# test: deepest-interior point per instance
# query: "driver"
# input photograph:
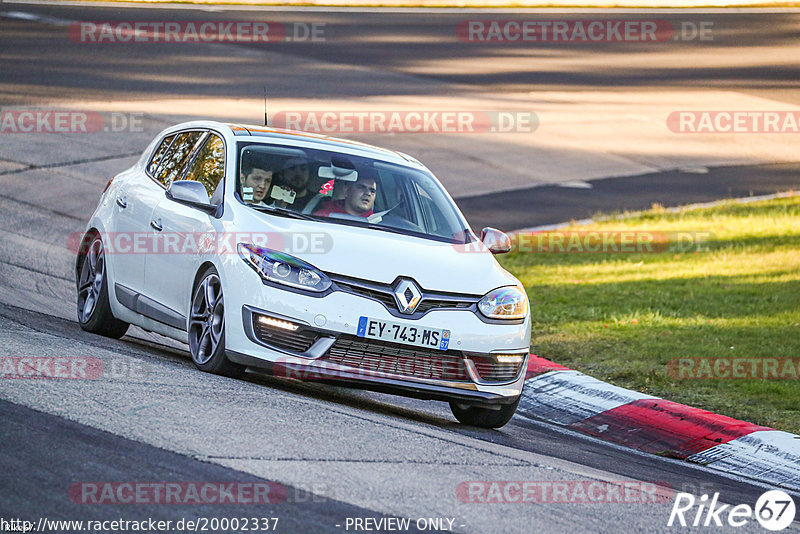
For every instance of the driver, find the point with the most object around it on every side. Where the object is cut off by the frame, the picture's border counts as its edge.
(359, 199)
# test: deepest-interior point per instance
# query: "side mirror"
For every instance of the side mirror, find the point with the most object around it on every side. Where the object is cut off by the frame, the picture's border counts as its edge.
(192, 194)
(496, 241)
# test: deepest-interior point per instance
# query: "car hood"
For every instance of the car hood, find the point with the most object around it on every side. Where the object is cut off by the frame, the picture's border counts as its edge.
(375, 255)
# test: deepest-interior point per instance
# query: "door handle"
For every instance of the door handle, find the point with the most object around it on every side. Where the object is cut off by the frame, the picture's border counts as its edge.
(121, 203)
(156, 225)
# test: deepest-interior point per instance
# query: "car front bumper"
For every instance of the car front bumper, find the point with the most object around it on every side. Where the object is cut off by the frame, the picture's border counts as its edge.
(325, 346)
(410, 387)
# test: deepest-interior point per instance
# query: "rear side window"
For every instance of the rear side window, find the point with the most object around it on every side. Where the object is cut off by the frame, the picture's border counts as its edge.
(209, 165)
(162, 149)
(177, 157)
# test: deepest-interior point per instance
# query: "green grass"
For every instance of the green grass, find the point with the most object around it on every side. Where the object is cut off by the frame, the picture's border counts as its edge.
(621, 317)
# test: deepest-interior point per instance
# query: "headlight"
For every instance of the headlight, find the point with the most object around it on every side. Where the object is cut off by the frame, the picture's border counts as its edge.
(283, 269)
(509, 302)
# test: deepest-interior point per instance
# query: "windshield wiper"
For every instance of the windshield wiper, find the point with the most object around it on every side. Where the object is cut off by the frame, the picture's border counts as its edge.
(364, 222)
(284, 212)
(390, 229)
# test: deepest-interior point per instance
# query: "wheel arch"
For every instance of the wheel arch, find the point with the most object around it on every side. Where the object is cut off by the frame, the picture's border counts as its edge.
(200, 270)
(198, 273)
(82, 247)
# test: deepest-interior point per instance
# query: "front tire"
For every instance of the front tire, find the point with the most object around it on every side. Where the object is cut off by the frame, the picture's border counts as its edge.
(207, 327)
(94, 310)
(484, 417)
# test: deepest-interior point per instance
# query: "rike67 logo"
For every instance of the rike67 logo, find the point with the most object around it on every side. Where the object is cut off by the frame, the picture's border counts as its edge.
(774, 510)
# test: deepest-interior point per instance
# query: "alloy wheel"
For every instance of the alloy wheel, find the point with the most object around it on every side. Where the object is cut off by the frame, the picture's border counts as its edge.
(91, 280)
(207, 319)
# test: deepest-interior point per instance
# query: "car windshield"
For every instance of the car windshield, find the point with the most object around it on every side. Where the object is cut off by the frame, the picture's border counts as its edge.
(346, 189)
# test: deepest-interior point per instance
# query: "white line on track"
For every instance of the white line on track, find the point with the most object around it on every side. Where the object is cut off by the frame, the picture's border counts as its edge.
(33, 17)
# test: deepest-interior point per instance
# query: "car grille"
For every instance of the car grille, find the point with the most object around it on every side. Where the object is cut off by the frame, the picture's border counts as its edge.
(397, 359)
(297, 341)
(490, 370)
(427, 305)
(383, 293)
(387, 299)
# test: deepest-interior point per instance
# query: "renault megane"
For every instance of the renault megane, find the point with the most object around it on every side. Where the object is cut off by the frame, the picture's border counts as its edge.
(312, 257)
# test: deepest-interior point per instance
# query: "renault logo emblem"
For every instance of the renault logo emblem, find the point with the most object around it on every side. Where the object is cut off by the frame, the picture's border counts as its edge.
(407, 295)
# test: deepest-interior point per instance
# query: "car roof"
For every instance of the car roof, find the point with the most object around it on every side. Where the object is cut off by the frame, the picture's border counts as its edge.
(267, 133)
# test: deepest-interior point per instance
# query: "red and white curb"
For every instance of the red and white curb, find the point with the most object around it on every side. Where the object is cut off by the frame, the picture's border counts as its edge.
(568, 398)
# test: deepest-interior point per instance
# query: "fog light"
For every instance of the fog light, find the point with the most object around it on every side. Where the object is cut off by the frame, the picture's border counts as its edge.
(510, 358)
(277, 323)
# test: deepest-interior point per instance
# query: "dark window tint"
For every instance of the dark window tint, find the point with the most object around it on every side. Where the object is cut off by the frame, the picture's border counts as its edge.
(209, 165)
(179, 155)
(162, 149)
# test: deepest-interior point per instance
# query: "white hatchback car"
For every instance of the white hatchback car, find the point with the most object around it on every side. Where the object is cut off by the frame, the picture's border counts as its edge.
(312, 257)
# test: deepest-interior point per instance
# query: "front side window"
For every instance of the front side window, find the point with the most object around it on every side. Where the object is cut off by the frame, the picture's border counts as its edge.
(174, 162)
(344, 189)
(208, 167)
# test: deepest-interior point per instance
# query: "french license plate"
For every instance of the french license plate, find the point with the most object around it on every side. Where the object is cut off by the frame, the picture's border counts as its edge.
(398, 333)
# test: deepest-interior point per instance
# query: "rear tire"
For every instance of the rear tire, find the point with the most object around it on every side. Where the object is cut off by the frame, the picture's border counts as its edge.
(484, 417)
(94, 310)
(207, 327)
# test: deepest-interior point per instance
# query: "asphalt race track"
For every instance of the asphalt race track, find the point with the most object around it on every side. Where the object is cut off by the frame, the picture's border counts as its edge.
(333, 454)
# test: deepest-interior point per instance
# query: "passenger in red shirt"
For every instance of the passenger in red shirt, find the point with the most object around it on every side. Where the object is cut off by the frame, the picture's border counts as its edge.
(359, 199)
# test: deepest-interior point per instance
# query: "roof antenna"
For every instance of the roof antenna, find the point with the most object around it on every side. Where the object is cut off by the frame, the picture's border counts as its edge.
(266, 117)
